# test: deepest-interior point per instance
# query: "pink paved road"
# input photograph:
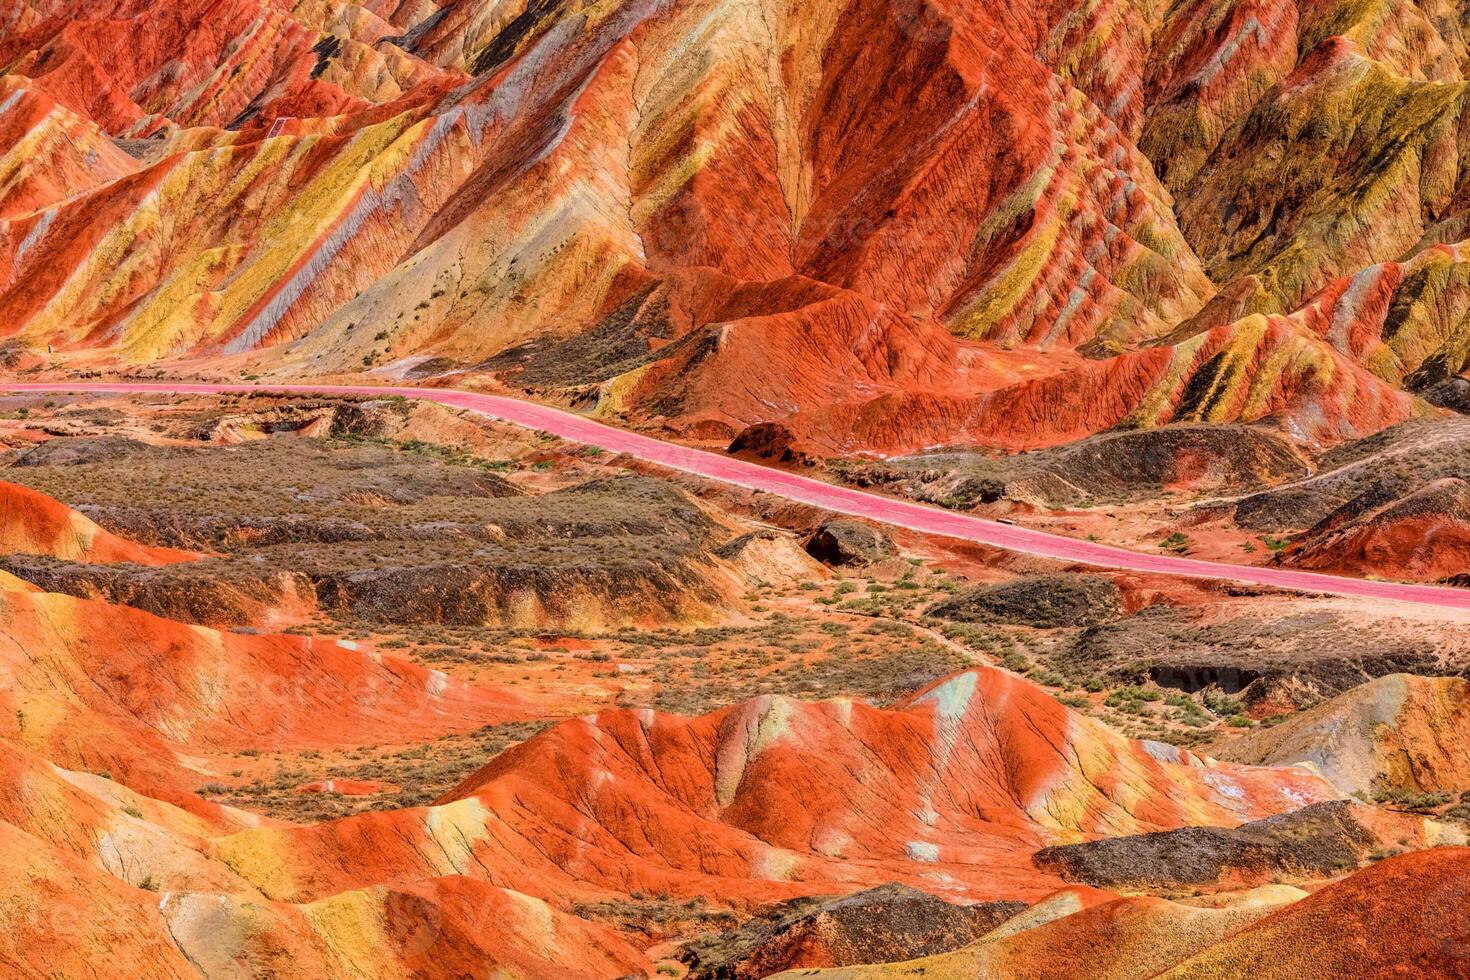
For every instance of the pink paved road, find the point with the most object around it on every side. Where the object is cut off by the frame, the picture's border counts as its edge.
(902, 513)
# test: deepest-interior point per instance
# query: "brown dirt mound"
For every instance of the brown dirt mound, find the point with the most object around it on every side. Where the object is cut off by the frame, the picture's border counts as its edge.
(845, 542)
(1042, 601)
(1324, 840)
(879, 925)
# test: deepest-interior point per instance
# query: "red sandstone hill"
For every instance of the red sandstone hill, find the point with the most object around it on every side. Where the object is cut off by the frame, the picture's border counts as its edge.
(950, 792)
(1396, 732)
(67, 917)
(100, 687)
(377, 895)
(111, 715)
(1012, 227)
(1403, 917)
(1422, 535)
(32, 523)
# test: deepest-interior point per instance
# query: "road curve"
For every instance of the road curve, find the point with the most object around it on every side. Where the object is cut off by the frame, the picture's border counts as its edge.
(793, 486)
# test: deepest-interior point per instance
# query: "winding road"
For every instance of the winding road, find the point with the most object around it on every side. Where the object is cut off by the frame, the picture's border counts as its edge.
(793, 486)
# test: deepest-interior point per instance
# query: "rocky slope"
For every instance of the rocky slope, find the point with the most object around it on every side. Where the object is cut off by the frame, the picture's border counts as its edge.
(1129, 465)
(951, 791)
(1389, 918)
(1325, 840)
(673, 212)
(324, 804)
(890, 922)
(1396, 732)
(1423, 535)
(359, 529)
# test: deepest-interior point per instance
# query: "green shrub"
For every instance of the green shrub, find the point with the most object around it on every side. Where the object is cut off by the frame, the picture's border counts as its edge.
(1408, 799)
(1177, 542)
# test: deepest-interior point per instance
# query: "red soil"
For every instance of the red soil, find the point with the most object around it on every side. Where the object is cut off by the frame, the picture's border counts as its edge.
(348, 787)
(950, 792)
(1405, 917)
(101, 687)
(1421, 537)
(34, 524)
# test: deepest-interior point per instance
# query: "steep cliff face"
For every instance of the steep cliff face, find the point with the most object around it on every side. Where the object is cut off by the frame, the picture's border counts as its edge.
(895, 224)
